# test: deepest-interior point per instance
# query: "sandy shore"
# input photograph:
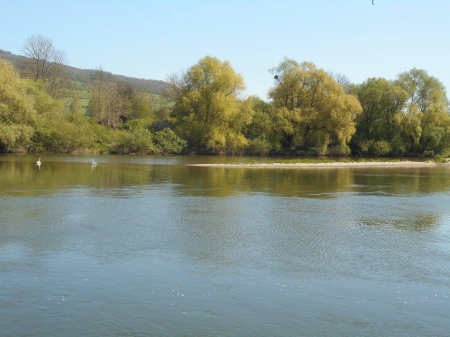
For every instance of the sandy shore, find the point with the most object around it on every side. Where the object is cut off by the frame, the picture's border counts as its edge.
(406, 164)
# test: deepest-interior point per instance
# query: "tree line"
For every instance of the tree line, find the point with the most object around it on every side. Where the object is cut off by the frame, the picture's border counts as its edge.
(204, 110)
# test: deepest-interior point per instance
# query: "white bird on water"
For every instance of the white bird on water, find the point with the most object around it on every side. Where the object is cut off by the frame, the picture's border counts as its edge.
(94, 163)
(38, 163)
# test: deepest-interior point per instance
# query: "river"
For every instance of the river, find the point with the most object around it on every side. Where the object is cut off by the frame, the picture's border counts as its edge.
(149, 246)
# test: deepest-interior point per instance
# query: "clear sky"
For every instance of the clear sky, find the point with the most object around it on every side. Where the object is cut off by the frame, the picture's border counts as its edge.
(155, 38)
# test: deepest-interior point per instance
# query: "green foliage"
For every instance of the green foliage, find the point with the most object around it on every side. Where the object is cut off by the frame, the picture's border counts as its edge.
(138, 123)
(365, 145)
(139, 141)
(313, 110)
(446, 152)
(53, 132)
(207, 111)
(167, 142)
(17, 109)
(310, 111)
(339, 150)
(407, 116)
(68, 133)
(259, 146)
(381, 148)
(75, 106)
(382, 103)
(141, 106)
(262, 131)
(428, 107)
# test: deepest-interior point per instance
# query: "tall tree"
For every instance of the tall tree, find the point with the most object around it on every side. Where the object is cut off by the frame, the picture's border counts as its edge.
(75, 106)
(262, 132)
(207, 105)
(382, 102)
(314, 112)
(17, 112)
(427, 103)
(45, 63)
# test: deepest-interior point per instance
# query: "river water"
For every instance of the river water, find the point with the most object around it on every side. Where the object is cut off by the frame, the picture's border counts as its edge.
(149, 246)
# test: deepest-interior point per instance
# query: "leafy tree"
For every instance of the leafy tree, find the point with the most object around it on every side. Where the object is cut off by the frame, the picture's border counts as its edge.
(313, 110)
(167, 142)
(141, 105)
(17, 111)
(262, 132)
(53, 133)
(382, 103)
(381, 148)
(207, 108)
(428, 106)
(75, 106)
(136, 141)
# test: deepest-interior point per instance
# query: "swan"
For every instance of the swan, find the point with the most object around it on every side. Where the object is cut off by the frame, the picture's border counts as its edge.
(94, 163)
(38, 163)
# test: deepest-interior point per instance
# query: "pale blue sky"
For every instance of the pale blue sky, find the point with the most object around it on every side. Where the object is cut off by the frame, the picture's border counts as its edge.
(153, 39)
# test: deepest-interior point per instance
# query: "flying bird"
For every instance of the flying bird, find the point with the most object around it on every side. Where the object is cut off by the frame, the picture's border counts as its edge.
(372, 3)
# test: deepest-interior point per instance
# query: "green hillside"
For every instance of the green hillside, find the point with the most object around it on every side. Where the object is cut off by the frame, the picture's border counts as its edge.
(80, 81)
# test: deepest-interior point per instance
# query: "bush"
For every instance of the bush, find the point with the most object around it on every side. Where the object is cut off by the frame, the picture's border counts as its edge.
(167, 142)
(446, 152)
(141, 123)
(138, 141)
(259, 146)
(440, 159)
(365, 146)
(339, 150)
(381, 148)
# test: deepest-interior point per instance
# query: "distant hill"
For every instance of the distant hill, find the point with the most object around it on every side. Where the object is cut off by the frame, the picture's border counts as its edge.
(86, 76)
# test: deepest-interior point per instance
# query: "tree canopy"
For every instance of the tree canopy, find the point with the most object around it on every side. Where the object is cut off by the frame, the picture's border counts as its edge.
(313, 110)
(377, 126)
(17, 111)
(427, 107)
(204, 109)
(207, 105)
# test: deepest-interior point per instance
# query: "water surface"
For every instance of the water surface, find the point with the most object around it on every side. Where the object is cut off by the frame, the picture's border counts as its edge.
(147, 246)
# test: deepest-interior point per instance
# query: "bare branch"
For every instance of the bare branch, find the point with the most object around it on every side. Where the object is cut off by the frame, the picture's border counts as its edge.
(44, 63)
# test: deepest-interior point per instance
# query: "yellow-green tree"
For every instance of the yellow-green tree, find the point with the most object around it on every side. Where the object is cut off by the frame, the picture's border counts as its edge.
(313, 110)
(17, 112)
(427, 108)
(382, 102)
(207, 110)
(262, 133)
(75, 106)
(55, 130)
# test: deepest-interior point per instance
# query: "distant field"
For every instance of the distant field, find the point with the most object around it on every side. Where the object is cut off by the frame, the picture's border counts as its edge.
(81, 90)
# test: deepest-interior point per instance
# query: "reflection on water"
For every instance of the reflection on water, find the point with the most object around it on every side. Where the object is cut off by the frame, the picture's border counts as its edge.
(22, 177)
(150, 246)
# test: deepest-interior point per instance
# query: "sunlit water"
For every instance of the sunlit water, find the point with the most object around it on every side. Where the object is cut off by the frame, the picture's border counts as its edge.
(148, 246)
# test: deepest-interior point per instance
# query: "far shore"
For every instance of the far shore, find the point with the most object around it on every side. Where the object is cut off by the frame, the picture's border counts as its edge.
(405, 164)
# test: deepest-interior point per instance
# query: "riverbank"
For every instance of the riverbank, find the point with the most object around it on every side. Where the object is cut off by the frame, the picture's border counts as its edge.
(405, 164)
